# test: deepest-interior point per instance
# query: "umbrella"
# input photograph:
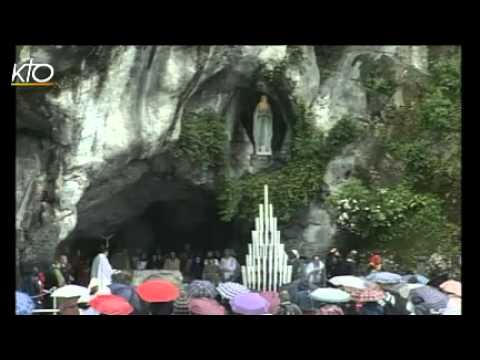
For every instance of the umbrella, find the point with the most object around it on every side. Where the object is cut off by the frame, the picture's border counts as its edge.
(128, 293)
(405, 291)
(70, 291)
(431, 296)
(206, 306)
(416, 279)
(384, 277)
(24, 304)
(330, 295)
(452, 287)
(111, 305)
(402, 289)
(273, 299)
(329, 310)
(158, 291)
(249, 304)
(348, 281)
(229, 290)
(366, 295)
(202, 289)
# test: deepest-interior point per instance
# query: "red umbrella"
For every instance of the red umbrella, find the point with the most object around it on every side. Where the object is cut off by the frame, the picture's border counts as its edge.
(158, 291)
(366, 295)
(111, 305)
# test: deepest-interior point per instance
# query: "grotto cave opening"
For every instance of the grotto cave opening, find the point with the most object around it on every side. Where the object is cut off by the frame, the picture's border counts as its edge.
(165, 216)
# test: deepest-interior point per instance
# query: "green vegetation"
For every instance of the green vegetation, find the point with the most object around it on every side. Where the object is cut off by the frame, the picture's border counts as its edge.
(202, 140)
(298, 182)
(377, 76)
(422, 213)
(276, 77)
(427, 139)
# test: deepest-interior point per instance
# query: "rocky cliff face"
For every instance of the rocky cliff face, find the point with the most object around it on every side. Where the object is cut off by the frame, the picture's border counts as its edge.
(97, 151)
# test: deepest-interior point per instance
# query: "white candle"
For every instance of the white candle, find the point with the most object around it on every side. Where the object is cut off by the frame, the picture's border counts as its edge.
(261, 223)
(244, 276)
(270, 213)
(270, 267)
(264, 272)
(280, 266)
(275, 266)
(249, 276)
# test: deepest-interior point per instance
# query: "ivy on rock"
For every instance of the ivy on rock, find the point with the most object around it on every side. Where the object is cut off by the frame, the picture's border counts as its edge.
(203, 139)
(297, 183)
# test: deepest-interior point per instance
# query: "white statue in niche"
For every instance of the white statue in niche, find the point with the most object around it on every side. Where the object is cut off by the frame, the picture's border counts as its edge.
(262, 127)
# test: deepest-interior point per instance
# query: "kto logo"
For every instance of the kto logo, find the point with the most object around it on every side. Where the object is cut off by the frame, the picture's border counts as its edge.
(41, 74)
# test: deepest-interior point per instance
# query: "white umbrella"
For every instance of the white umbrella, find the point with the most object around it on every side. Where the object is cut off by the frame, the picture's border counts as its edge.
(69, 291)
(348, 281)
(330, 295)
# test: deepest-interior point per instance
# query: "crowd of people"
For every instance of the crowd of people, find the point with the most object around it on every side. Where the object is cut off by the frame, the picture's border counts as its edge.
(212, 286)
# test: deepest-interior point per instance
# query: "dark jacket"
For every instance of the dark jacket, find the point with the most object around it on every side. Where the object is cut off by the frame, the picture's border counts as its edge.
(351, 267)
(372, 308)
(288, 308)
(196, 270)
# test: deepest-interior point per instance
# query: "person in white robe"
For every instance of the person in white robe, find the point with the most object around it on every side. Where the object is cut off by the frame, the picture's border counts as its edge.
(229, 266)
(101, 269)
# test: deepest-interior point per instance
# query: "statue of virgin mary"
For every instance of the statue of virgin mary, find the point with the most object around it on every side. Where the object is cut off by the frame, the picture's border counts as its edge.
(262, 127)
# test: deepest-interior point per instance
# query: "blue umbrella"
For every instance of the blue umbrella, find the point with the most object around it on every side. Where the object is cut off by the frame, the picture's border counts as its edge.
(417, 278)
(432, 297)
(128, 293)
(24, 304)
(384, 277)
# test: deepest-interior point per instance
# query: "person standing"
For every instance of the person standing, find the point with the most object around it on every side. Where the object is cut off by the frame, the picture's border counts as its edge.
(286, 306)
(298, 266)
(66, 269)
(229, 266)
(186, 259)
(101, 268)
(211, 269)
(351, 264)
(57, 274)
(375, 261)
(172, 262)
(35, 290)
(196, 270)
(331, 262)
(315, 273)
(155, 262)
(81, 271)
